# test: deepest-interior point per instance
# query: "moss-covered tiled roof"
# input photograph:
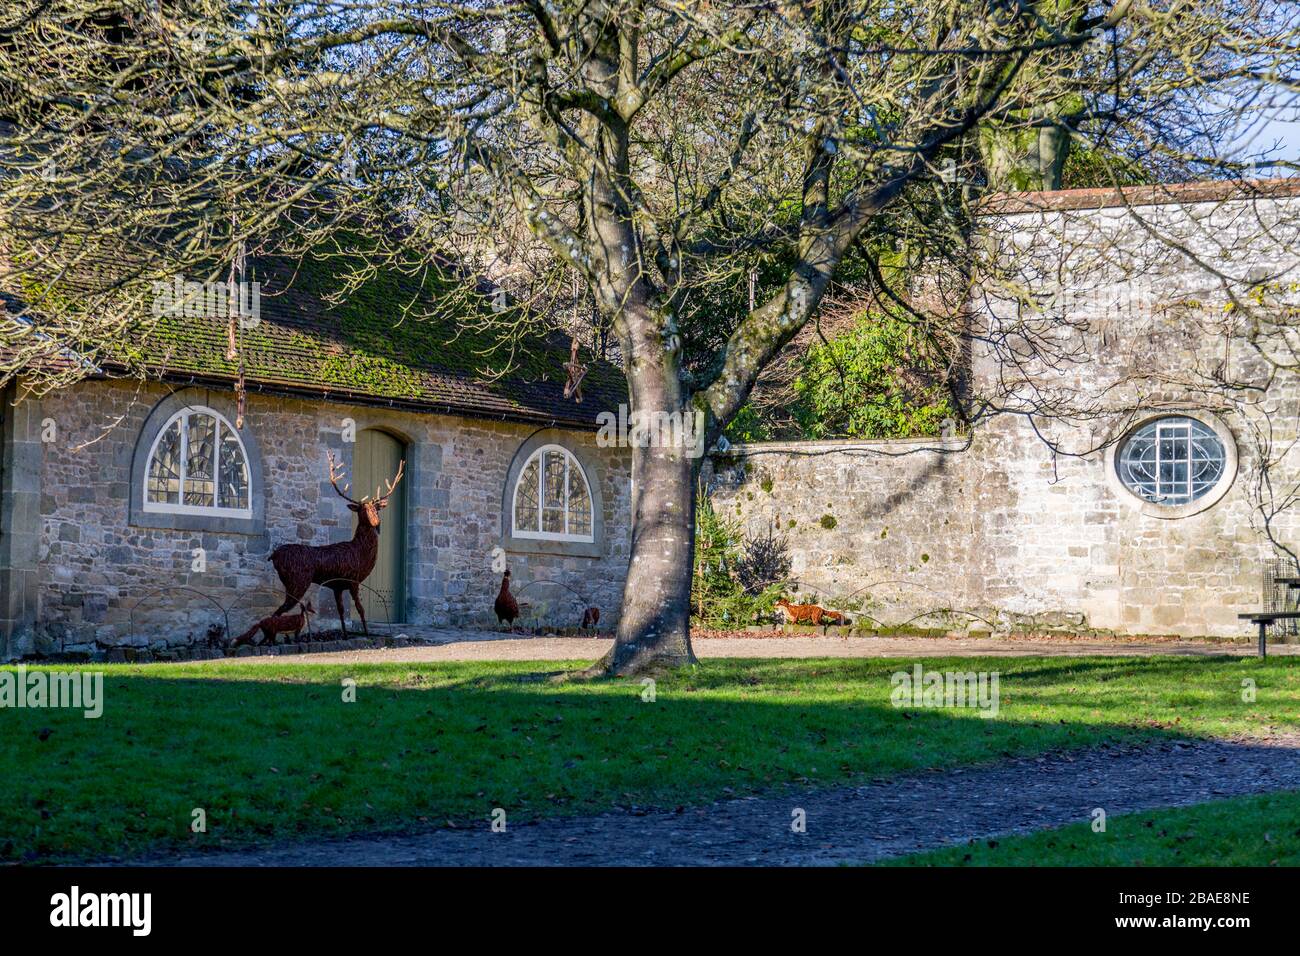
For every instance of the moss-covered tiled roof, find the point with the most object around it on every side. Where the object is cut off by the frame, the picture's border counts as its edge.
(413, 340)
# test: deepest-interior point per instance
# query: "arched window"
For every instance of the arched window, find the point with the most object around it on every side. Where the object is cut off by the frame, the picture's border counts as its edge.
(197, 465)
(1172, 461)
(552, 500)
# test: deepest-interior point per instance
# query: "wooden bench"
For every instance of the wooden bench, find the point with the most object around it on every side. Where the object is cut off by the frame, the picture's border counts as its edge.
(1264, 619)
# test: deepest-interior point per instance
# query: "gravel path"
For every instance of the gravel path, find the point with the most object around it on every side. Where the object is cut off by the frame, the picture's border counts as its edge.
(844, 824)
(489, 646)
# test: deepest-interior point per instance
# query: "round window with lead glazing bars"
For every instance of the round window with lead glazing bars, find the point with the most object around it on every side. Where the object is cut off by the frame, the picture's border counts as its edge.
(1171, 461)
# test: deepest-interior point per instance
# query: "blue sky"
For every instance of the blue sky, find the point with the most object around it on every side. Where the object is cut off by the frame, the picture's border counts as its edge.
(1275, 132)
(1263, 137)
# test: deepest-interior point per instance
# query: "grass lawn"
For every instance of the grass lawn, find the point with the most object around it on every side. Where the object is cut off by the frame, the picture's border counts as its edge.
(271, 751)
(1245, 831)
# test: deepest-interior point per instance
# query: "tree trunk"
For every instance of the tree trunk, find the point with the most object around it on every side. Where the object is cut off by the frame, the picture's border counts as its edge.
(1024, 160)
(654, 629)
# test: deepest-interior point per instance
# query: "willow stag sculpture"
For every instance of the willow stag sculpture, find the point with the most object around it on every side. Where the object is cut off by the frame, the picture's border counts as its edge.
(341, 566)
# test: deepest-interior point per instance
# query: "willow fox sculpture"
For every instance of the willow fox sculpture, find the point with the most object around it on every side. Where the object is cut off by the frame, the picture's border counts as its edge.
(277, 624)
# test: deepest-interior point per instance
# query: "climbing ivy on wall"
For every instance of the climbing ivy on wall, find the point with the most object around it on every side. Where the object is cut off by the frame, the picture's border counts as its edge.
(880, 379)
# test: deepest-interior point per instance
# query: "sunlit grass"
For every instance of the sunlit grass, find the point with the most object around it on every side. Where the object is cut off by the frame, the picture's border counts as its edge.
(271, 751)
(1246, 831)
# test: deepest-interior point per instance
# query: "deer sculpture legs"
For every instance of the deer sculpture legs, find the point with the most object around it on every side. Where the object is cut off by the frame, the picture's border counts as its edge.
(356, 602)
(293, 599)
(354, 589)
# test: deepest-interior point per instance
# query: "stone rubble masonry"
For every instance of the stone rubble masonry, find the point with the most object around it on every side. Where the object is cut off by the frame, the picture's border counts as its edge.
(935, 535)
(78, 578)
(1003, 535)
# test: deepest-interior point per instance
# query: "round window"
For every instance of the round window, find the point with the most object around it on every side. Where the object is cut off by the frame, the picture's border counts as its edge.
(1172, 461)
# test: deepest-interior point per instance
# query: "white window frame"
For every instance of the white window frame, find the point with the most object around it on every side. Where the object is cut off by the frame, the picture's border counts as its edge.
(570, 462)
(181, 508)
(1181, 430)
(1129, 427)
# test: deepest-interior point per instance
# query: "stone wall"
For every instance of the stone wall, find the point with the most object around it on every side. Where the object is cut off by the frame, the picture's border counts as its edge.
(992, 537)
(885, 528)
(102, 582)
(1026, 525)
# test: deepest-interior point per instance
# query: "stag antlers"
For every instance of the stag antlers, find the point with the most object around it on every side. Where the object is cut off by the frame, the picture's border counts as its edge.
(401, 467)
(336, 472)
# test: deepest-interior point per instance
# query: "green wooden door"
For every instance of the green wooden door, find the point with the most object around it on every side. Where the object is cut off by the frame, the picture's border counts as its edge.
(375, 462)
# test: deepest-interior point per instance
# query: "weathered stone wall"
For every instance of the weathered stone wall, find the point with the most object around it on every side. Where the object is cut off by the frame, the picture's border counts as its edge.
(884, 528)
(993, 537)
(105, 583)
(1029, 526)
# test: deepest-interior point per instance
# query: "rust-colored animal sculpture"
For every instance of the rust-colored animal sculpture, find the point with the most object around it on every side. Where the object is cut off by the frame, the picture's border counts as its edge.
(341, 566)
(277, 624)
(590, 618)
(576, 370)
(809, 614)
(506, 606)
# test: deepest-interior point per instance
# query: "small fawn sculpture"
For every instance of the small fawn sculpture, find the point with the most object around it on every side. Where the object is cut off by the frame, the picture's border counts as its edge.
(278, 624)
(340, 566)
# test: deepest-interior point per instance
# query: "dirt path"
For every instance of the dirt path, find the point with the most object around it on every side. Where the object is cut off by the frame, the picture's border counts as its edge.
(489, 646)
(844, 824)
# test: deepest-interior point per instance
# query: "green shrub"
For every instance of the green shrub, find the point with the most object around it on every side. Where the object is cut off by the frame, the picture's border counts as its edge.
(880, 379)
(748, 426)
(718, 599)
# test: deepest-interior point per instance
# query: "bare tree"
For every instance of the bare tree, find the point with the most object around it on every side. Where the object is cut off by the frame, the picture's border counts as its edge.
(657, 150)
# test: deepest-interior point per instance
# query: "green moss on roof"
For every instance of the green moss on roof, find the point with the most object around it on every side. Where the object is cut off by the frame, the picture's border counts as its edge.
(371, 374)
(415, 338)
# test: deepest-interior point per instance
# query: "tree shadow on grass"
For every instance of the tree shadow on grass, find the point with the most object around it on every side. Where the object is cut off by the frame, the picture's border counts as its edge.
(265, 758)
(1051, 670)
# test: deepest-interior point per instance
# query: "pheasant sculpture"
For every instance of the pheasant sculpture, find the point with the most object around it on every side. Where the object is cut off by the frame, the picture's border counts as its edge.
(506, 606)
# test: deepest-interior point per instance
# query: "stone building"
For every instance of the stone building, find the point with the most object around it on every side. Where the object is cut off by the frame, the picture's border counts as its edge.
(142, 514)
(1133, 464)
